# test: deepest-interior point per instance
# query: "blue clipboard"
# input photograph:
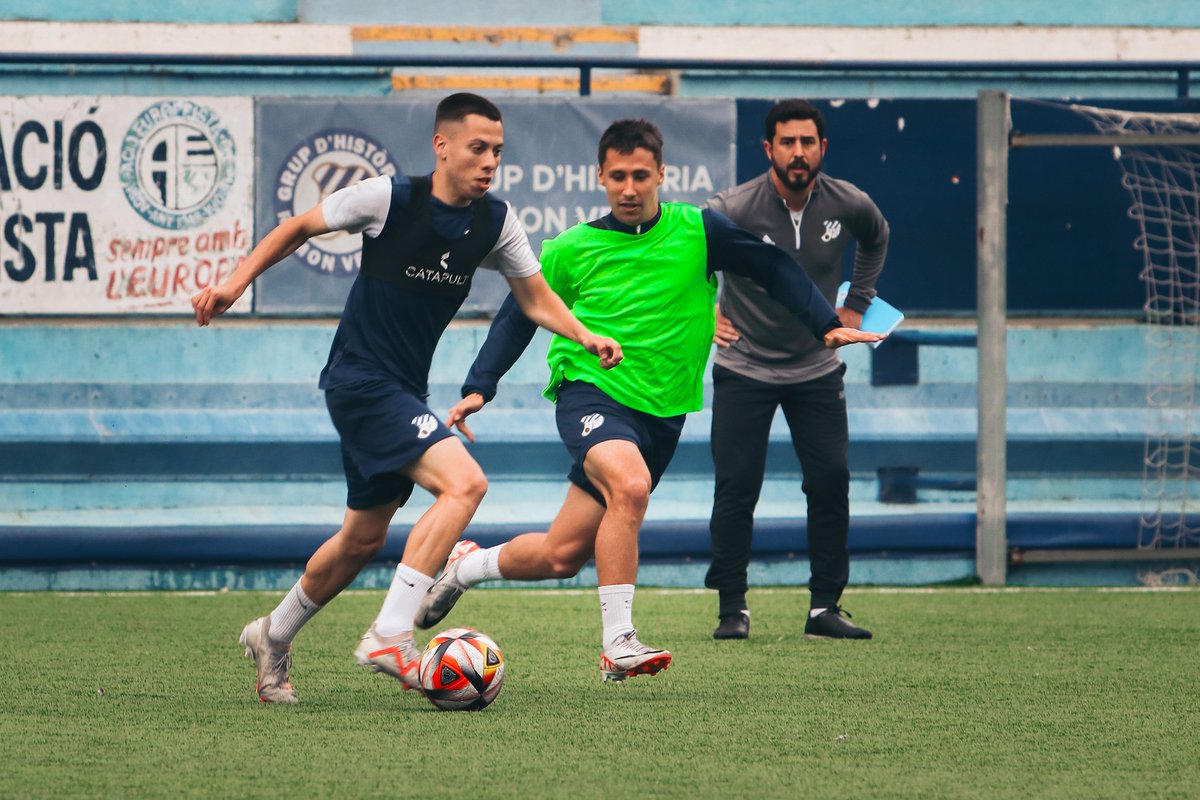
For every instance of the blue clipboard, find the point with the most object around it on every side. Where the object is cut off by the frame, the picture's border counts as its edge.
(880, 317)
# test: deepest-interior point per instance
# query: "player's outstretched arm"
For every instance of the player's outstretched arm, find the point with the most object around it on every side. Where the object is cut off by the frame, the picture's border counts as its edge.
(542, 306)
(277, 245)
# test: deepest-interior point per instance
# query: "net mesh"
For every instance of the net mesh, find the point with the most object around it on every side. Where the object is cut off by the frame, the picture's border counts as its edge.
(1164, 185)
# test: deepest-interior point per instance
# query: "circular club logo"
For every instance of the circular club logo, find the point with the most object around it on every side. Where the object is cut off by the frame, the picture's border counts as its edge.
(177, 164)
(314, 169)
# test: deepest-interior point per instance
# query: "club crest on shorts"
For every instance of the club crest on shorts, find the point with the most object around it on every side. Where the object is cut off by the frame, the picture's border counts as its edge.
(591, 422)
(426, 424)
(316, 167)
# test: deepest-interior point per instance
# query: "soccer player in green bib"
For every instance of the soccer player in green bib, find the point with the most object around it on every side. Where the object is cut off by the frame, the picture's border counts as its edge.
(644, 275)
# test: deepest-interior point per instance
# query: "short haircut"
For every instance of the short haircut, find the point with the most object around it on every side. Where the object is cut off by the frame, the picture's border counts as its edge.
(626, 135)
(788, 110)
(456, 107)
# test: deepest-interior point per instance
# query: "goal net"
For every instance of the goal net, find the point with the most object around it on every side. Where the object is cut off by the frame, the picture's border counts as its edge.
(1163, 180)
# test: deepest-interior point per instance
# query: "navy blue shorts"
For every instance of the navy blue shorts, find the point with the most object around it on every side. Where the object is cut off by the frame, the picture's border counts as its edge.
(383, 429)
(587, 416)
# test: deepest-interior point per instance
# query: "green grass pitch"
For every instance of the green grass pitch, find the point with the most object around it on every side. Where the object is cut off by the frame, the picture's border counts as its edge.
(963, 693)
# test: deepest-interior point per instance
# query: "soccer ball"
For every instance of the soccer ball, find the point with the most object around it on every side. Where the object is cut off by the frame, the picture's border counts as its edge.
(461, 670)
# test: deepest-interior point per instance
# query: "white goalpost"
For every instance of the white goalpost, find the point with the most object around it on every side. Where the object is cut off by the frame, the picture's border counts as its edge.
(1159, 157)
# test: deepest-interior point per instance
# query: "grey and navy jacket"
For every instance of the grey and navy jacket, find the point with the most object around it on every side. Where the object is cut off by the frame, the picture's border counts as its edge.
(774, 346)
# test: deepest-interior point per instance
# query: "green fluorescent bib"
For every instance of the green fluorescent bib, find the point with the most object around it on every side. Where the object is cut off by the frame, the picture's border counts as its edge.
(651, 292)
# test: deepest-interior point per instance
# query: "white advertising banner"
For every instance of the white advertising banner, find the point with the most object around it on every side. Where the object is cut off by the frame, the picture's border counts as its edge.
(122, 205)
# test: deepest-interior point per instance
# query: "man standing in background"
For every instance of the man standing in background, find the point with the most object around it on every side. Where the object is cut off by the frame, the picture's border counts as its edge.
(766, 360)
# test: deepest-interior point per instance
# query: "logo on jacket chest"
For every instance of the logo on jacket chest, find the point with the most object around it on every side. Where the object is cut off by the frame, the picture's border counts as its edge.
(833, 229)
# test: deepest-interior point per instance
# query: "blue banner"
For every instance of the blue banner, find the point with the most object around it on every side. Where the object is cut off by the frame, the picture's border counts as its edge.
(310, 148)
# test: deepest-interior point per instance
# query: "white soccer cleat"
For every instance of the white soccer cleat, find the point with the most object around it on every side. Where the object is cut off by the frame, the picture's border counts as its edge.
(446, 590)
(626, 657)
(397, 656)
(273, 661)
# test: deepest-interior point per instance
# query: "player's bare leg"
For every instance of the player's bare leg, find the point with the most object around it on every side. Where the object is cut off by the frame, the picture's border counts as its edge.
(458, 485)
(559, 552)
(268, 640)
(451, 475)
(617, 469)
(338, 561)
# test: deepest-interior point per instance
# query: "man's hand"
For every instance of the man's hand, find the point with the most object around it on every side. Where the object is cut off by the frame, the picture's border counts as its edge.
(608, 350)
(282, 241)
(457, 418)
(839, 337)
(212, 301)
(725, 334)
(849, 317)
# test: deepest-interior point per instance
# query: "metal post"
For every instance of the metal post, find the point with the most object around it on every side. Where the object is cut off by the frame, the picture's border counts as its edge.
(585, 81)
(991, 546)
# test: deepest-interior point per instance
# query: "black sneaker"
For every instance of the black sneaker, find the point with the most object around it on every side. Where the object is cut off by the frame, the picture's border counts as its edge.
(831, 624)
(734, 626)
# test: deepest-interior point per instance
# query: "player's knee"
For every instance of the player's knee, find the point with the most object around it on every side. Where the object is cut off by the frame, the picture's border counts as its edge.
(469, 488)
(364, 542)
(630, 491)
(476, 486)
(565, 564)
(563, 569)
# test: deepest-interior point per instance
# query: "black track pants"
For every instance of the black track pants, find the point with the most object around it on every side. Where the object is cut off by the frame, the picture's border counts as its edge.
(816, 415)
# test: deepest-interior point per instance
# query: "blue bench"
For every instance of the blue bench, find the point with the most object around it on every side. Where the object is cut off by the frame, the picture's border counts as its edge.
(154, 416)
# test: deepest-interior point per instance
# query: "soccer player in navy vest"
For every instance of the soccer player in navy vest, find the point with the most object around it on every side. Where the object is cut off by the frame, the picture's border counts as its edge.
(423, 238)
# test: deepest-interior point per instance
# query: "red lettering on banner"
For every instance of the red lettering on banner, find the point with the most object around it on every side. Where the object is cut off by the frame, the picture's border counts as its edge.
(136, 278)
(158, 288)
(182, 273)
(111, 292)
(170, 267)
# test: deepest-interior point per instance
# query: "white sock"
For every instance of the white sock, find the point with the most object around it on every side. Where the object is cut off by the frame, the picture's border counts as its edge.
(816, 612)
(290, 615)
(616, 610)
(478, 566)
(400, 605)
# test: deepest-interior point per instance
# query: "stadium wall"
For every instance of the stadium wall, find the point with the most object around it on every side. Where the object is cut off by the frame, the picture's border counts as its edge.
(882, 13)
(814, 32)
(173, 457)
(870, 13)
(119, 434)
(113, 251)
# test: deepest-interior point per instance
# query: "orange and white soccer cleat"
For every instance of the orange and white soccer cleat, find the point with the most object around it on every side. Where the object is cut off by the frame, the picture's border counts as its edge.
(626, 657)
(397, 656)
(446, 590)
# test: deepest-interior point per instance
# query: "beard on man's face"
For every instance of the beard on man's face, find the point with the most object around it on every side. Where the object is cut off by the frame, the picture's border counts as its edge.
(801, 181)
